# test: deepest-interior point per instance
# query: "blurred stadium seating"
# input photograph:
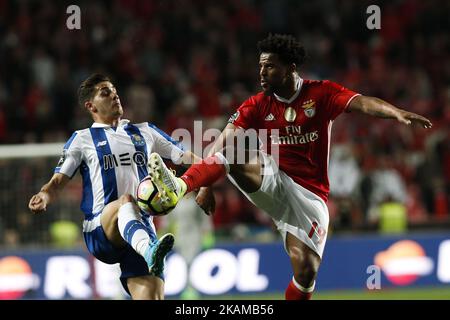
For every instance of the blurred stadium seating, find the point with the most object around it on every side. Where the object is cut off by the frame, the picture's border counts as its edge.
(179, 61)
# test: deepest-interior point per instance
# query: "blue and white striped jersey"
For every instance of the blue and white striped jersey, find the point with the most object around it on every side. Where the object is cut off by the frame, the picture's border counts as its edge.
(112, 161)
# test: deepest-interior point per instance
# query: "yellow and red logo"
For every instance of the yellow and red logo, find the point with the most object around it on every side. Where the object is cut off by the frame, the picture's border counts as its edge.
(16, 278)
(404, 262)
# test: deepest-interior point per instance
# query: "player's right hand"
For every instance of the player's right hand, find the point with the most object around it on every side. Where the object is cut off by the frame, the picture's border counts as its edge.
(38, 202)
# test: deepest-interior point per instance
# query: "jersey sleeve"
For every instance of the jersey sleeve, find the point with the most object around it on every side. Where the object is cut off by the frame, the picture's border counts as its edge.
(164, 145)
(70, 158)
(245, 115)
(339, 98)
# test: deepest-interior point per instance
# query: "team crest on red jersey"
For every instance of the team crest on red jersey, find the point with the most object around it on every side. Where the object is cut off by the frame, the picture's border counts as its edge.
(309, 108)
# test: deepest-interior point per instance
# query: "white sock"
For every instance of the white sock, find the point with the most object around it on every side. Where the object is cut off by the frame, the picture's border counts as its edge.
(303, 289)
(132, 229)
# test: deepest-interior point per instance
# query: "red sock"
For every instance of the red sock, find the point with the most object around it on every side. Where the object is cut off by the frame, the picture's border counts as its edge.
(204, 173)
(294, 293)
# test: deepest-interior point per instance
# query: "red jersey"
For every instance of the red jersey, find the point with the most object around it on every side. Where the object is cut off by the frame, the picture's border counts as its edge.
(304, 125)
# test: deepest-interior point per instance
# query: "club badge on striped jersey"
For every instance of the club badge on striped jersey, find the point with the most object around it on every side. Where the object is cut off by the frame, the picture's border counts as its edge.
(290, 114)
(309, 108)
(62, 158)
(137, 140)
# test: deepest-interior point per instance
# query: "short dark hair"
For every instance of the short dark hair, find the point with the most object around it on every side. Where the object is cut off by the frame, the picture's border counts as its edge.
(285, 46)
(87, 87)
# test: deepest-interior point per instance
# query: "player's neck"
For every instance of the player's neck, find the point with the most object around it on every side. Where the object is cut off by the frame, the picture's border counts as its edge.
(288, 89)
(286, 93)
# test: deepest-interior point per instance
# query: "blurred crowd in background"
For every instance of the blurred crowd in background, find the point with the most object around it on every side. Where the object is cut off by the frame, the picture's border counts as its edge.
(177, 61)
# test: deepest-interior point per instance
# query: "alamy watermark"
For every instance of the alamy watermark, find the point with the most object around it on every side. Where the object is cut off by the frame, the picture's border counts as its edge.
(374, 19)
(374, 280)
(74, 20)
(238, 146)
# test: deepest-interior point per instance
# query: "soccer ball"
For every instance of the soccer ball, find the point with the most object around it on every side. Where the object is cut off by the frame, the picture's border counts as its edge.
(148, 199)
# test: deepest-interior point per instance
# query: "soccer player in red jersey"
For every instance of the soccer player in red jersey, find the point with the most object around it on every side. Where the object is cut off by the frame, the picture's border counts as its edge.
(294, 191)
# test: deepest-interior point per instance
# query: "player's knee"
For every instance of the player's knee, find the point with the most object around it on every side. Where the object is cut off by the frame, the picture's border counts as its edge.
(125, 198)
(306, 274)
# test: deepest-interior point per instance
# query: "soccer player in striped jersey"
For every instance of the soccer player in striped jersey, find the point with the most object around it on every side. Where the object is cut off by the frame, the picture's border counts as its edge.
(296, 114)
(112, 156)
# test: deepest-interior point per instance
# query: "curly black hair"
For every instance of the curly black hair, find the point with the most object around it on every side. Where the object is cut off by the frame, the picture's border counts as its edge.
(286, 46)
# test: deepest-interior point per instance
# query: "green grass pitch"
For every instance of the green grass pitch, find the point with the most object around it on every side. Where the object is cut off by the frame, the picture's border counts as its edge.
(425, 293)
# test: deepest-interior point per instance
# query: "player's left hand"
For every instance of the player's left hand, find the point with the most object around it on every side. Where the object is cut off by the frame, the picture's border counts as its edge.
(205, 199)
(409, 117)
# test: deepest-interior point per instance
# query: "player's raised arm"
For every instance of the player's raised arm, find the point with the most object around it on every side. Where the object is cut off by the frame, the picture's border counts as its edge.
(380, 108)
(48, 193)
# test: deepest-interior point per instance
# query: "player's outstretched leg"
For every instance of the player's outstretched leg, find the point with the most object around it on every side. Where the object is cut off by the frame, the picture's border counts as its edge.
(170, 188)
(156, 253)
(141, 238)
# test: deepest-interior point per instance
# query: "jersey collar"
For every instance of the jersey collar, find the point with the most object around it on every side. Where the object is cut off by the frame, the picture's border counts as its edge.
(122, 123)
(298, 84)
